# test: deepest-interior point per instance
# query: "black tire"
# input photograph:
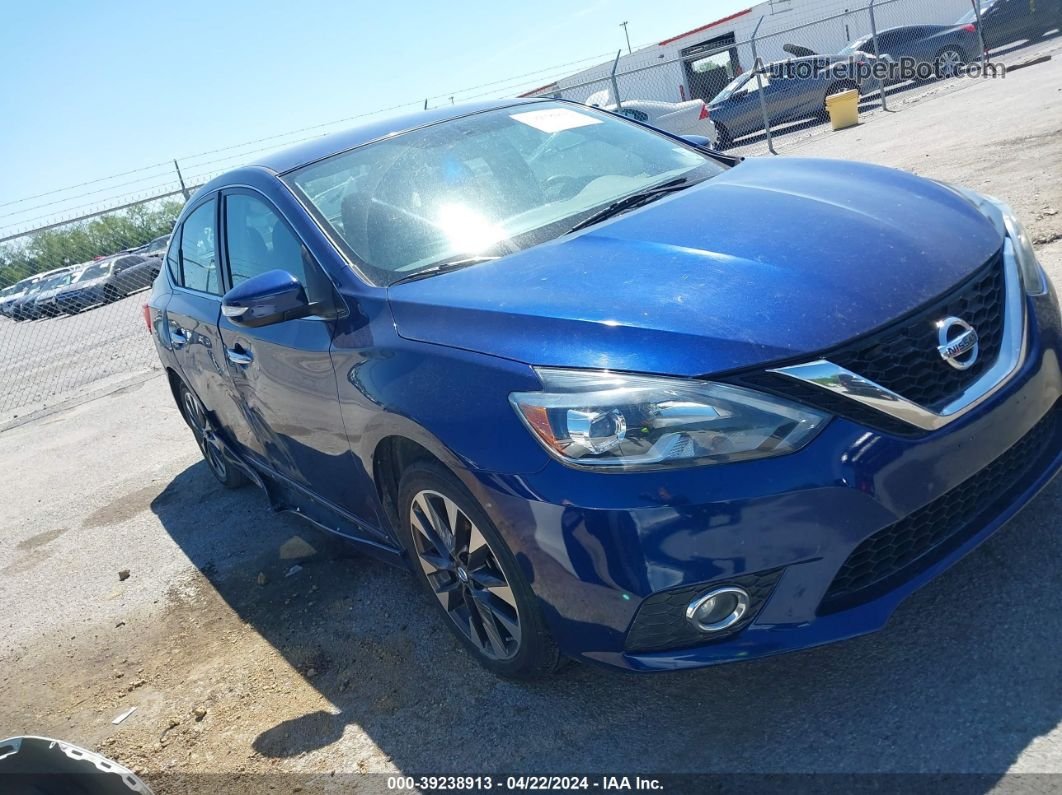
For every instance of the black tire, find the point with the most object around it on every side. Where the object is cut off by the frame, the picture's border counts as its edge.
(723, 140)
(948, 60)
(533, 654)
(195, 414)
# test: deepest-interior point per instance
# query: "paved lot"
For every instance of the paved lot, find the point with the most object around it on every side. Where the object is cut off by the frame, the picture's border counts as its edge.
(341, 666)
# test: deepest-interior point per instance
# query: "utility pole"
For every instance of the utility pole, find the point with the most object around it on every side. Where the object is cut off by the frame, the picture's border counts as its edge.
(628, 35)
(180, 179)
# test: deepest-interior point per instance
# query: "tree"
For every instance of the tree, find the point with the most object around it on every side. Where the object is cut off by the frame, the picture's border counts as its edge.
(84, 241)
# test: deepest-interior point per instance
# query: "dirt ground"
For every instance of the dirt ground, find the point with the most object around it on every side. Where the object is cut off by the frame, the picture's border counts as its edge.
(260, 655)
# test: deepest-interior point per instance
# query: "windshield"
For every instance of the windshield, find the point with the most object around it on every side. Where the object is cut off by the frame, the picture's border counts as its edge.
(491, 183)
(971, 15)
(55, 281)
(94, 271)
(734, 85)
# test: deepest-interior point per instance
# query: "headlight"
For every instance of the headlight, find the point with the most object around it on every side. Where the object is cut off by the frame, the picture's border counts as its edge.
(617, 421)
(1001, 214)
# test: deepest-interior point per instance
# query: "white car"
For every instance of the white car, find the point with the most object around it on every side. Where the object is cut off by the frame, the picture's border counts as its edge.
(677, 118)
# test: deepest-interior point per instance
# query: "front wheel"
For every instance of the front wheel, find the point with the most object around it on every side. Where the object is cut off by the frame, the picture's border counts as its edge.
(464, 562)
(198, 420)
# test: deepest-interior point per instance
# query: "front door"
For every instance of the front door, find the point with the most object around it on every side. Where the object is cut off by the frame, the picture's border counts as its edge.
(282, 375)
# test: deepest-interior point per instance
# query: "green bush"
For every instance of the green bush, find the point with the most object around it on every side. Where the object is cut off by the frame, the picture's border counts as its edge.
(86, 240)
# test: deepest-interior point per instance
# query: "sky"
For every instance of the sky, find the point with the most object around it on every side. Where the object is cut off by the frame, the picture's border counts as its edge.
(93, 89)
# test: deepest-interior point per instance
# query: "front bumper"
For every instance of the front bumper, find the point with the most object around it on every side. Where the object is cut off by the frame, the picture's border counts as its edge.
(596, 546)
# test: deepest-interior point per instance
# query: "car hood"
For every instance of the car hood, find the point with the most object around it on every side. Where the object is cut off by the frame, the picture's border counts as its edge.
(772, 260)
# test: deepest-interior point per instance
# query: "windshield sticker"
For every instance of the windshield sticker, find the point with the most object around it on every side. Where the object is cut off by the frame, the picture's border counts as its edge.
(555, 119)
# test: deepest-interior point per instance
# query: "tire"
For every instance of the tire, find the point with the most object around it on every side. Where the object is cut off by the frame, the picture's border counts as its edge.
(195, 414)
(948, 60)
(472, 576)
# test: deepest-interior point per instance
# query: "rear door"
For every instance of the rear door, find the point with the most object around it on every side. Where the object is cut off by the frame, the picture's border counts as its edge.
(282, 375)
(191, 316)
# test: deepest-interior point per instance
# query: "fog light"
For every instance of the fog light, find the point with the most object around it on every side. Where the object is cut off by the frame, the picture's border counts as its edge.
(719, 609)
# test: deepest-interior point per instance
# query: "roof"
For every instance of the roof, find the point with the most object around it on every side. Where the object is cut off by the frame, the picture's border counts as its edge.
(325, 146)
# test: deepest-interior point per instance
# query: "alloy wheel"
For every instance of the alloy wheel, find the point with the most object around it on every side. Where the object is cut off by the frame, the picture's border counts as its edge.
(464, 574)
(948, 63)
(204, 435)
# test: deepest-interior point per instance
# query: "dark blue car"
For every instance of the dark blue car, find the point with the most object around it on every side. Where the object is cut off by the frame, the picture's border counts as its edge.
(612, 396)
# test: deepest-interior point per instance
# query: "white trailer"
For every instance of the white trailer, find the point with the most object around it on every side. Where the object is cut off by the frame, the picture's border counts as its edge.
(698, 63)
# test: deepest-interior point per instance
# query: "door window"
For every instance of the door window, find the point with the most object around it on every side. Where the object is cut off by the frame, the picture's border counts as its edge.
(257, 241)
(199, 269)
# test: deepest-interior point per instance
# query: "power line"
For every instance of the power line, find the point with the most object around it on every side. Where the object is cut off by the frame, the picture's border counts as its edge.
(514, 79)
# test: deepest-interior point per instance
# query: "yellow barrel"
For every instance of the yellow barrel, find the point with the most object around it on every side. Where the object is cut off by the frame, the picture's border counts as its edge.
(843, 109)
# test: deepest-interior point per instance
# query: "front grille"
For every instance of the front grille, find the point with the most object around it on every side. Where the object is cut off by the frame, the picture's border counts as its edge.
(661, 620)
(901, 550)
(903, 357)
(830, 402)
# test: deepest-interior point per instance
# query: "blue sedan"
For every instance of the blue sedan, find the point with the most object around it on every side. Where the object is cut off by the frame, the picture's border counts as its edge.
(612, 396)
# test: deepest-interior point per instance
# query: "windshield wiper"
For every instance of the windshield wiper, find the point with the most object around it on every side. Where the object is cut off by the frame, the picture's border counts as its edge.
(632, 201)
(442, 267)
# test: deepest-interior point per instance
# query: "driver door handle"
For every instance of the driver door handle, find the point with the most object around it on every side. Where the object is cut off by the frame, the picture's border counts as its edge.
(237, 355)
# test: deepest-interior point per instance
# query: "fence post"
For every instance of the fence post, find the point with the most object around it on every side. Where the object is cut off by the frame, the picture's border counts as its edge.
(980, 29)
(180, 179)
(615, 83)
(877, 52)
(758, 68)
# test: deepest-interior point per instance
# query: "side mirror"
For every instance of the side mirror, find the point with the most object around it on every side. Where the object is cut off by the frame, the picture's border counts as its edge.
(698, 140)
(268, 298)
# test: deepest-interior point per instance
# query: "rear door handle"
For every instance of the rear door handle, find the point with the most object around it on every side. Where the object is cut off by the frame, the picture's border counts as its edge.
(239, 356)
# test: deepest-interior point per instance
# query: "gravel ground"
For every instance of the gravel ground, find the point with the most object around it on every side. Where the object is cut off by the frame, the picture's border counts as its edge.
(234, 667)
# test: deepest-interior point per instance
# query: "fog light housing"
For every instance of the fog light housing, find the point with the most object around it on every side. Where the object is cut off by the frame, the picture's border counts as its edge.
(718, 609)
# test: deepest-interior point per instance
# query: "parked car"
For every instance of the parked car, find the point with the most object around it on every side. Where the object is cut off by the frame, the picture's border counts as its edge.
(157, 247)
(108, 280)
(44, 303)
(24, 307)
(9, 304)
(938, 50)
(737, 111)
(8, 296)
(613, 396)
(680, 118)
(1008, 21)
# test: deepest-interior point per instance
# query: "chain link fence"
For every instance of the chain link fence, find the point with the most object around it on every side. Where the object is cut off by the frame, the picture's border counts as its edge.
(760, 80)
(71, 290)
(71, 318)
